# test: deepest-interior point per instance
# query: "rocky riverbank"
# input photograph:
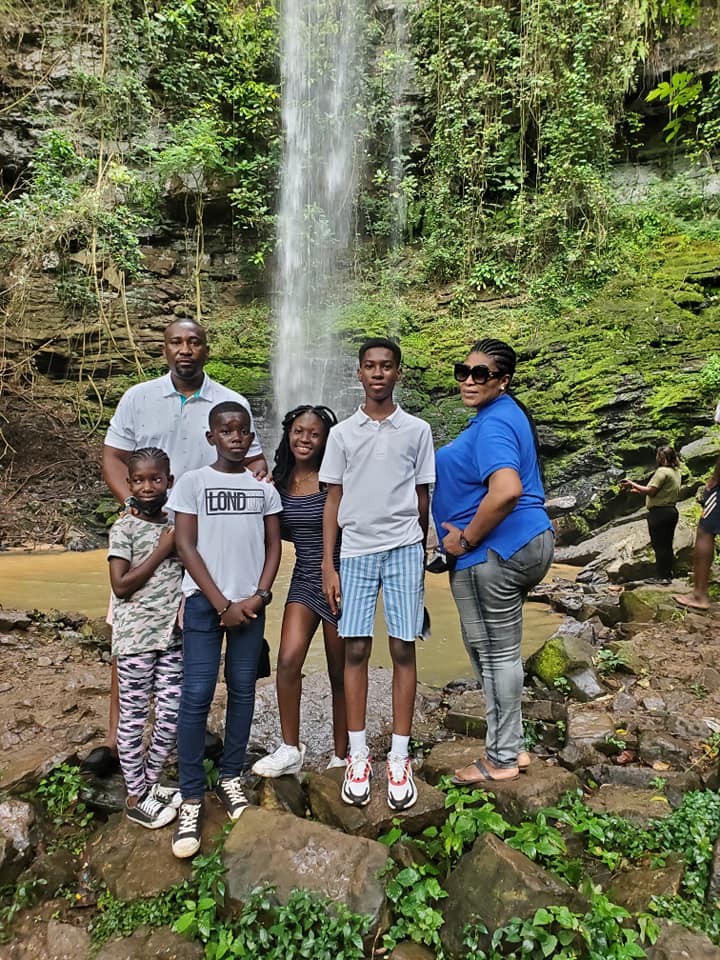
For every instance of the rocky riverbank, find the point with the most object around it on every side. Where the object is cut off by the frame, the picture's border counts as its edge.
(622, 706)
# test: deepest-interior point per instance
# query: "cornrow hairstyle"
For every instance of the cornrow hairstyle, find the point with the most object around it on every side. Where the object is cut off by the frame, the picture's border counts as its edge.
(227, 406)
(668, 456)
(284, 457)
(383, 342)
(506, 360)
(155, 454)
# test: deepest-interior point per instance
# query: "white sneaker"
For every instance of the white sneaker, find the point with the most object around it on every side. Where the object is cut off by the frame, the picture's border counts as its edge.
(188, 833)
(286, 759)
(170, 796)
(336, 761)
(401, 789)
(358, 774)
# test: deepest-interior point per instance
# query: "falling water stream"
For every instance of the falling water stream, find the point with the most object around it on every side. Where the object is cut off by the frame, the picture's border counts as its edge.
(321, 43)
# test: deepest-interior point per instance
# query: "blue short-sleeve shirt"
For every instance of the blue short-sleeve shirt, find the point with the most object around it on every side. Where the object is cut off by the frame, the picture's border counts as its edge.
(498, 436)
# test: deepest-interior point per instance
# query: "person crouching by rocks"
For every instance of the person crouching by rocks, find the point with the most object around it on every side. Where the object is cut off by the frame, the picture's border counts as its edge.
(704, 552)
(146, 577)
(489, 511)
(662, 493)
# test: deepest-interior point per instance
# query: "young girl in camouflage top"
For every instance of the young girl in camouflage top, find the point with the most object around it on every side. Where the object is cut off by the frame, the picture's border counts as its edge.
(146, 578)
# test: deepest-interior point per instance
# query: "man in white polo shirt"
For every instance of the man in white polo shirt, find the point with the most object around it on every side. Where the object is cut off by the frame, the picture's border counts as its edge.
(378, 466)
(170, 412)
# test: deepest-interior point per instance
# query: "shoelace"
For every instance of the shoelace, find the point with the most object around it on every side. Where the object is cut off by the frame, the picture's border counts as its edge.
(189, 812)
(358, 765)
(396, 768)
(233, 789)
(151, 805)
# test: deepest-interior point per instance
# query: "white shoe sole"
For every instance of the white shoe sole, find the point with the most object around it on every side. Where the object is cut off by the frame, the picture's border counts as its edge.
(161, 821)
(260, 769)
(186, 848)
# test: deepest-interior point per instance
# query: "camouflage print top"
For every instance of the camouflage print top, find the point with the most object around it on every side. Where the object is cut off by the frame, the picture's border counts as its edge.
(147, 620)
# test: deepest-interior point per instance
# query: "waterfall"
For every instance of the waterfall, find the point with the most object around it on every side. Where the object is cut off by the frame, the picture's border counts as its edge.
(321, 84)
(401, 77)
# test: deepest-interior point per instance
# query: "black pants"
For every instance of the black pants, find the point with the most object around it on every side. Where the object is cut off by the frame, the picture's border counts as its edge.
(661, 524)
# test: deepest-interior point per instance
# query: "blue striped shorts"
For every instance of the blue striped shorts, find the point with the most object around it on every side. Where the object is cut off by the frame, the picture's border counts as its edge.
(400, 574)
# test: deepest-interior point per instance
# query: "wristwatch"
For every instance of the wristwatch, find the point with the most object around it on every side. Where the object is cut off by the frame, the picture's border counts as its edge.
(265, 595)
(467, 547)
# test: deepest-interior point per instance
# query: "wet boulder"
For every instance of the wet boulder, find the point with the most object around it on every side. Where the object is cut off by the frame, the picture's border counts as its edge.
(635, 804)
(466, 715)
(147, 944)
(634, 888)
(376, 817)
(270, 847)
(676, 942)
(571, 657)
(493, 883)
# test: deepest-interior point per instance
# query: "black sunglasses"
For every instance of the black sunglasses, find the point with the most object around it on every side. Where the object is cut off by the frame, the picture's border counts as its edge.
(479, 373)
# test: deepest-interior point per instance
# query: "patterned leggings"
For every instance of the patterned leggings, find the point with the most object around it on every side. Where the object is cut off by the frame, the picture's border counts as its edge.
(140, 677)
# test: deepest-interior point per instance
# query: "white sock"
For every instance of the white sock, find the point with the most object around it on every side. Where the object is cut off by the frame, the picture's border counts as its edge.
(400, 745)
(357, 740)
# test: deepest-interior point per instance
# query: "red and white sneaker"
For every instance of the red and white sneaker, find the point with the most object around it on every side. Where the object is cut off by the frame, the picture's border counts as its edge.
(401, 789)
(358, 774)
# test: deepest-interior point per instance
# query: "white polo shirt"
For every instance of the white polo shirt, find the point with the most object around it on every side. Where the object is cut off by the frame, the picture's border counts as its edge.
(379, 463)
(154, 414)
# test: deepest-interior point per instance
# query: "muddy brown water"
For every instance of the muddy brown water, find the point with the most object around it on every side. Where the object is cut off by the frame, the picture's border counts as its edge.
(63, 580)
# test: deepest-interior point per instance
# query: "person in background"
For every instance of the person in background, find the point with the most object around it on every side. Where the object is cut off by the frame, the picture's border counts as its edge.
(169, 412)
(146, 576)
(489, 511)
(378, 466)
(704, 552)
(662, 493)
(227, 532)
(297, 462)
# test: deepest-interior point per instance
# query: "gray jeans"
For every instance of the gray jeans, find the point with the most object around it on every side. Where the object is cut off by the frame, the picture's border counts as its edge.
(489, 597)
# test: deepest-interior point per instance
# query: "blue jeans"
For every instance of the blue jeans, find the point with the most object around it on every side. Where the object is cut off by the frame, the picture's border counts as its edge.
(202, 645)
(489, 597)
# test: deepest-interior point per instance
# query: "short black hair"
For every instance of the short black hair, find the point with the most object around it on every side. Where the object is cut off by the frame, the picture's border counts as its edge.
(381, 342)
(227, 406)
(187, 322)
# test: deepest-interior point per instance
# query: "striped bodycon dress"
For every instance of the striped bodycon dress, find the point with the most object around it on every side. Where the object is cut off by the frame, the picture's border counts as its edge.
(302, 524)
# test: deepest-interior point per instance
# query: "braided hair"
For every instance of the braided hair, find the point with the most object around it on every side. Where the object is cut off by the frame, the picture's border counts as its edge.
(284, 457)
(506, 360)
(154, 454)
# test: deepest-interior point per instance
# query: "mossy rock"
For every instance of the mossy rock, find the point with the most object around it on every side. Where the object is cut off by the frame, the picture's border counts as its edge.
(645, 606)
(559, 656)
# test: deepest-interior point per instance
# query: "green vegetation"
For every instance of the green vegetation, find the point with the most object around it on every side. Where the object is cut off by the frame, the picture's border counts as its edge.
(606, 930)
(307, 926)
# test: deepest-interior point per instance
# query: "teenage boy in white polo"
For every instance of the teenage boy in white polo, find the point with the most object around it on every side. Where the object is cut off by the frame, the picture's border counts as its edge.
(378, 466)
(170, 412)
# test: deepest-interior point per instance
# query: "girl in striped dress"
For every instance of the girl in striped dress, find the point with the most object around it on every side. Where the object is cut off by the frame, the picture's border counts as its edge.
(297, 461)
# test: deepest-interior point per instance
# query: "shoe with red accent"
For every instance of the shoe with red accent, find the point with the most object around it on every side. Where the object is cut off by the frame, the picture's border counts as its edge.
(358, 774)
(401, 789)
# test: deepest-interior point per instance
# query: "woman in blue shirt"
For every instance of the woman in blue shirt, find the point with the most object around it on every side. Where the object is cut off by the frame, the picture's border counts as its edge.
(489, 511)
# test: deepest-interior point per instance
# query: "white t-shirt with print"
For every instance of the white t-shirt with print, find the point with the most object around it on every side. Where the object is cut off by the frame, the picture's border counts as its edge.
(230, 510)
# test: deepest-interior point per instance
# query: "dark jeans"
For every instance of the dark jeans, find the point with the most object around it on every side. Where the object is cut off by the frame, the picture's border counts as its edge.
(661, 524)
(202, 645)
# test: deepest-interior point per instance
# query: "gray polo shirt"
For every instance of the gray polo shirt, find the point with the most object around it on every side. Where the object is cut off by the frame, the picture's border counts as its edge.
(379, 463)
(154, 414)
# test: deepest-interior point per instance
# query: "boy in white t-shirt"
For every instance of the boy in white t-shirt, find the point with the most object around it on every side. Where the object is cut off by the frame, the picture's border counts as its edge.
(378, 466)
(227, 533)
